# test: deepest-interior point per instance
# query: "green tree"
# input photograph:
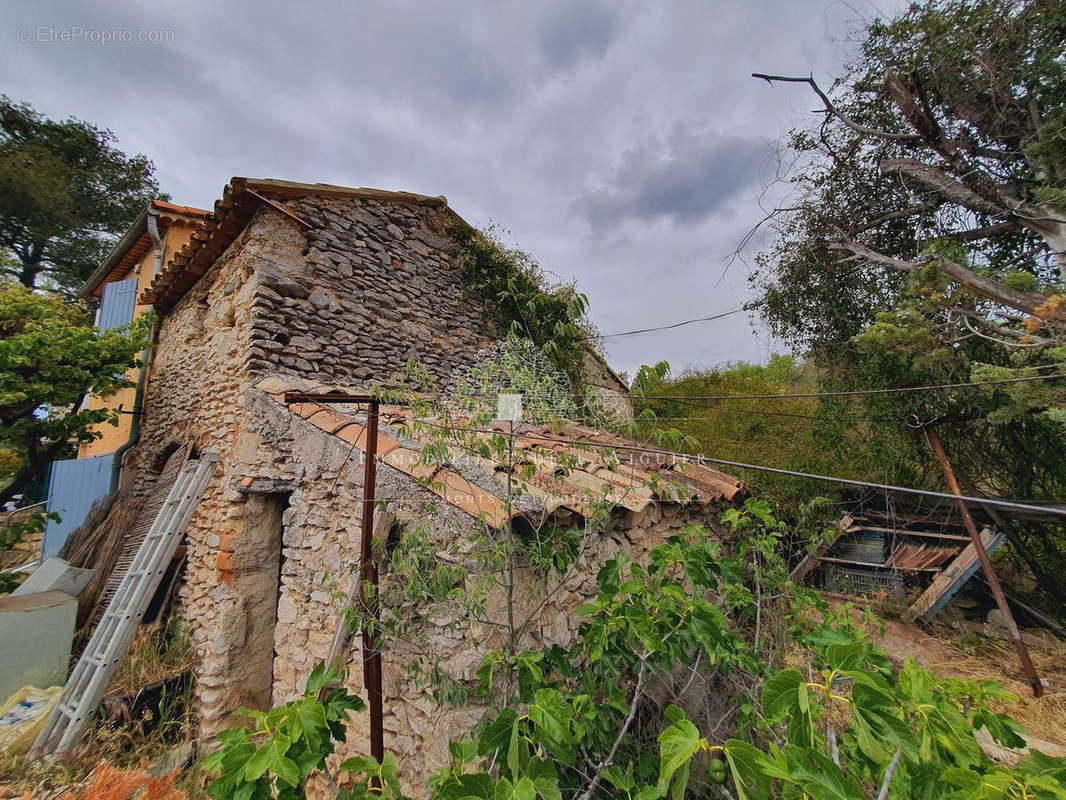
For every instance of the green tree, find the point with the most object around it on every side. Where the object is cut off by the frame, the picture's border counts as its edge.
(925, 246)
(66, 193)
(949, 128)
(51, 357)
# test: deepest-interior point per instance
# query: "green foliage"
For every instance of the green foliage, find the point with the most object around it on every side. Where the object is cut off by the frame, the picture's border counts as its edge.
(517, 366)
(66, 193)
(520, 300)
(51, 356)
(795, 433)
(1021, 281)
(596, 716)
(932, 78)
(842, 727)
(856, 724)
(274, 757)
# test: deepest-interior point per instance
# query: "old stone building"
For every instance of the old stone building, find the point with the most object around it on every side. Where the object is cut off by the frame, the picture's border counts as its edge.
(295, 286)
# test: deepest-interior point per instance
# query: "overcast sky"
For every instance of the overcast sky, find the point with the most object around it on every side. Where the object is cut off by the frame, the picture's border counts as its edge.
(623, 145)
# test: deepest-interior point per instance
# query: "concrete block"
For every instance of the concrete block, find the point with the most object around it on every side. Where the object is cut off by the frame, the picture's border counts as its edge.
(37, 630)
(56, 575)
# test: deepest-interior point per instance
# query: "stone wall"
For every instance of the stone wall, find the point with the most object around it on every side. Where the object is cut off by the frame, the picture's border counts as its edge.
(334, 304)
(271, 544)
(380, 285)
(196, 395)
(321, 547)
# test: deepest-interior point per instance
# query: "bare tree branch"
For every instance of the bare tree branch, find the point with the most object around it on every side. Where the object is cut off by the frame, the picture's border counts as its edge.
(638, 692)
(883, 794)
(1027, 302)
(902, 213)
(943, 184)
(985, 232)
(831, 109)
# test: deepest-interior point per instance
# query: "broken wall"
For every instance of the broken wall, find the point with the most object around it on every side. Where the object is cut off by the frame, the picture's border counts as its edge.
(428, 673)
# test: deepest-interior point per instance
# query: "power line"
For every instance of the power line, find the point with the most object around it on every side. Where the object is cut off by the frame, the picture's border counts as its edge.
(763, 412)
(854, 392)
(700, 459)
(674, 325)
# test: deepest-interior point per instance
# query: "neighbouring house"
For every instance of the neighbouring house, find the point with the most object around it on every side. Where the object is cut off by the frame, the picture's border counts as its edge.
(160, 232)
(288, 286)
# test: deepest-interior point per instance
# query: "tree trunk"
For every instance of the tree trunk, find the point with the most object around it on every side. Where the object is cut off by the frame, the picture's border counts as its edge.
(32, 265)
(28, 276)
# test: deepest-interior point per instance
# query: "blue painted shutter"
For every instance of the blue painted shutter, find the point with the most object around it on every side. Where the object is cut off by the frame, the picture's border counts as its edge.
(116, 308)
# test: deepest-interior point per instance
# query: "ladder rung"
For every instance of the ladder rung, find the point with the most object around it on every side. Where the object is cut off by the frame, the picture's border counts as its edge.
(90, 678)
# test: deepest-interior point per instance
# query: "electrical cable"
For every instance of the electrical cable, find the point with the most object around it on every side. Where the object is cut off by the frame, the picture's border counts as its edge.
(700, 459)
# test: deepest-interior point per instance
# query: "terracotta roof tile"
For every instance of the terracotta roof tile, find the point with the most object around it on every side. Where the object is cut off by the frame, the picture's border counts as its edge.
(585, 476)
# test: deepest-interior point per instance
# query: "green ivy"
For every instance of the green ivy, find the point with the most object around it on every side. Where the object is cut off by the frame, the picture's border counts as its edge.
(520, 300)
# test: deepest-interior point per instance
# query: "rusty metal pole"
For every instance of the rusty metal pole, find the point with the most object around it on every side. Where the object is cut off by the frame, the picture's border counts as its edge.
(368, 571)
(368, 574)
(986, 564)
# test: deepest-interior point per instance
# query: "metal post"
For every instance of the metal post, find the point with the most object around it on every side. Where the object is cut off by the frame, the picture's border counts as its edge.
(368, 571)
(986, 564)
(368, 574)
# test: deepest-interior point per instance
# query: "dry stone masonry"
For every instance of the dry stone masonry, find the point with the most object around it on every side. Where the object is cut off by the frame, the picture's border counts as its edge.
(330, 290)
(379, 287)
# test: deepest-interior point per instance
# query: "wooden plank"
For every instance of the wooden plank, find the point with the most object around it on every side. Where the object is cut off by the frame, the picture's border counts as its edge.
(809, 561)
(948, 583)
(918, 534)
(870, 565)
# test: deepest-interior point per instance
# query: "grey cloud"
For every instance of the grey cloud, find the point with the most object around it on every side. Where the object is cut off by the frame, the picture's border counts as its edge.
(688, 178)
(468, 73)
(509, 109)
(575, 31)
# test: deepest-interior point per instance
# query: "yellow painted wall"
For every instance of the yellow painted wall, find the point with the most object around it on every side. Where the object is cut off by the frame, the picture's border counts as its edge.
(112, 437)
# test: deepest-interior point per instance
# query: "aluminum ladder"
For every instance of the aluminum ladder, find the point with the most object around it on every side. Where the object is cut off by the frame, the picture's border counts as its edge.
(111, 639)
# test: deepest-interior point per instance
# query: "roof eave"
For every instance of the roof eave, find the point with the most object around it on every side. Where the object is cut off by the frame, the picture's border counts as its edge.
(128, 240)
(241, 197)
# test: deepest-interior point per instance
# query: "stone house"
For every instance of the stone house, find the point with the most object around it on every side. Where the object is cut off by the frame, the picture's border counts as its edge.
(296, 286)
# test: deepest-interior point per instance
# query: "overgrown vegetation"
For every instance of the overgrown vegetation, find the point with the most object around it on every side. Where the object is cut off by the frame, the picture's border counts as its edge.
(575, 722)
(922, 244)
(147, 717)
(817, 710)
(521, 300)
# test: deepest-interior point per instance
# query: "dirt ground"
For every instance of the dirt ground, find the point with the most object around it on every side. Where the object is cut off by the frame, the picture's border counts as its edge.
(954, 648)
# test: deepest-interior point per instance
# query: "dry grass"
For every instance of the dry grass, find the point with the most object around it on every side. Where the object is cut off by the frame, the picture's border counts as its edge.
(113, 750)
(156, 654)
(988, 657)
(953, 651)
(114, 784)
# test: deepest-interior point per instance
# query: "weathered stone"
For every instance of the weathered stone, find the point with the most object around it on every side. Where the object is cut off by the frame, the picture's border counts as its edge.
(277, 534)
(284, 285)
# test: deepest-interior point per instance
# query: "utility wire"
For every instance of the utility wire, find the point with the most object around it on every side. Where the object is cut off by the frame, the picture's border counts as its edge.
(671, 327)
(700, 459)
(852, 393)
